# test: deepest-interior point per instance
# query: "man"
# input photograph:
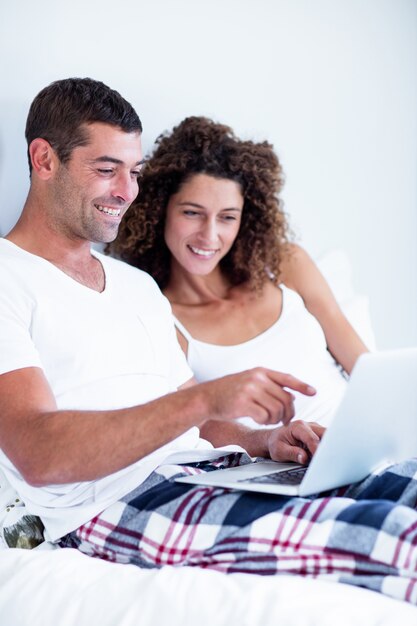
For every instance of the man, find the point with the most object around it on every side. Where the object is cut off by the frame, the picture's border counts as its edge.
(91, 333)
(92, 426)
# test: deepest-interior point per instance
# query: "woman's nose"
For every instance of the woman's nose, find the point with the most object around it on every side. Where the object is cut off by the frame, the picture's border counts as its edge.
(209, 230)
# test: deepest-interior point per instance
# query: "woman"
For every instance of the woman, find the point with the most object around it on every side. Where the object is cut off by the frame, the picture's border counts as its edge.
(209, 226)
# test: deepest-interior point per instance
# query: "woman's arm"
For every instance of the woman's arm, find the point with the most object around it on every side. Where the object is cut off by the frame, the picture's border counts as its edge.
(300, 273)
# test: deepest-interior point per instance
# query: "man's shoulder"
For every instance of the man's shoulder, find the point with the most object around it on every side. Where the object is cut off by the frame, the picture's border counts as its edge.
(7, 249)
(12, 254)
(11, 259)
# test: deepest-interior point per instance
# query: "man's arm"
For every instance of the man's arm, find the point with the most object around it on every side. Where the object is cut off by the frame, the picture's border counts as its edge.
(297, 441)
(49, 446)
(52, 446)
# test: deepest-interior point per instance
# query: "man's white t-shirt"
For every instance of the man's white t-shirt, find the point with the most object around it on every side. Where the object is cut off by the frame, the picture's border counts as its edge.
(98, 351)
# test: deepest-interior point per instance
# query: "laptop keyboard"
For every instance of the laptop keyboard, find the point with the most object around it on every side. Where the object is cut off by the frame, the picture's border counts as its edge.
(287, 477)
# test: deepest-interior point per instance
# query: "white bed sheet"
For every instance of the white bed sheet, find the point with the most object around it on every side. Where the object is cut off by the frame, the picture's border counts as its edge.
(67, 588)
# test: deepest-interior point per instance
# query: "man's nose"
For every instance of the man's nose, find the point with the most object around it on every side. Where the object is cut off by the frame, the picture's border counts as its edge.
(125, 187)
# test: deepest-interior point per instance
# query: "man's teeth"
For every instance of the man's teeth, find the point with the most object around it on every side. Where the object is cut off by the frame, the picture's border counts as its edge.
(202, 252)
(108, 210)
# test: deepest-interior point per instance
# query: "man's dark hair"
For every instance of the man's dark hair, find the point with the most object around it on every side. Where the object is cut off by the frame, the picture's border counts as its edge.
(60, 112)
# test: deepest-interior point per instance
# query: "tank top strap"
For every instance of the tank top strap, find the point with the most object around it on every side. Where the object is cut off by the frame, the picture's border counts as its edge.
(182, 329)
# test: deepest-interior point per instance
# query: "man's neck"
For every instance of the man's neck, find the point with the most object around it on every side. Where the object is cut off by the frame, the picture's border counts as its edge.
(73, 257)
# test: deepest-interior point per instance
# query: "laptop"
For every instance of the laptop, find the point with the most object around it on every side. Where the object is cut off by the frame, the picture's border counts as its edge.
(375, 423)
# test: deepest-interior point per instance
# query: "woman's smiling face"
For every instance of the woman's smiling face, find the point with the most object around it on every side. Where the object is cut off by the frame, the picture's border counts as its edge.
(202, 222)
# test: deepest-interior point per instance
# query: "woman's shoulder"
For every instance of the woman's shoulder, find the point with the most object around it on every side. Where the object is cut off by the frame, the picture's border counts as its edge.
(295, 266)
(293, 255)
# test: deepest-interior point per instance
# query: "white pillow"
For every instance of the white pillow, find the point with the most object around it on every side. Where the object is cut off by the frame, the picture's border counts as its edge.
(337, 270)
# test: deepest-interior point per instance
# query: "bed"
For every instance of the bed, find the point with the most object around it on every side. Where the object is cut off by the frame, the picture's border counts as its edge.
(66, 588)
(49, 586)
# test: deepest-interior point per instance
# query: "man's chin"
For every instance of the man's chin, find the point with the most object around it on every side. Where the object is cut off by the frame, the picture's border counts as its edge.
(104, 238)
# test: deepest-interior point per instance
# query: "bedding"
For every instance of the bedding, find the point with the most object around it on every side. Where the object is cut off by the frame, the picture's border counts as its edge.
(366, 536)
(67, 588)
(50, 587)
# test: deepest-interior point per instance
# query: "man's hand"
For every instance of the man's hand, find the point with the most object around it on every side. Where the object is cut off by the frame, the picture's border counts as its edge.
(259, 393)
(296, 442)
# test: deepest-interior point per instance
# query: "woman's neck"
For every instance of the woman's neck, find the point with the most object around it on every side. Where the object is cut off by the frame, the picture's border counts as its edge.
(186, 288)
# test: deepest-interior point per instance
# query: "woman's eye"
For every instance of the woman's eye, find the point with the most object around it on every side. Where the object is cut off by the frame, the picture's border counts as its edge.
(191, 213)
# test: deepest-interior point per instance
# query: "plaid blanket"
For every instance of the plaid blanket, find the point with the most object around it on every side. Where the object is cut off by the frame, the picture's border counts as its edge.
(365, 534)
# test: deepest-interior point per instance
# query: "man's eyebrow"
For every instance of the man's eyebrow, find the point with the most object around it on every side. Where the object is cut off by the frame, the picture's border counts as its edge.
(109, 159)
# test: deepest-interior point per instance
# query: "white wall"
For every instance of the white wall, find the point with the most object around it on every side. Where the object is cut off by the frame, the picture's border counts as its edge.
(332, 83)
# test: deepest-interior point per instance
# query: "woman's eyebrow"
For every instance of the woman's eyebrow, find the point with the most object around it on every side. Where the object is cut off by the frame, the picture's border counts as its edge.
(200, 206)
(194, 204)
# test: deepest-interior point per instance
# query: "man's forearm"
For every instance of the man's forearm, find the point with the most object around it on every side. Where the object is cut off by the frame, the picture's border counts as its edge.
(56, 447)
(223, 433)
(52, 446)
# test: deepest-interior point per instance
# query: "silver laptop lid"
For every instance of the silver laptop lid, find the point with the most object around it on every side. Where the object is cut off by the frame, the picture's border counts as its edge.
(376, 420)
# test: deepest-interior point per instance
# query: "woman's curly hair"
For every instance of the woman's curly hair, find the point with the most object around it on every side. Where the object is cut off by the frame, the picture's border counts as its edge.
(200, 146)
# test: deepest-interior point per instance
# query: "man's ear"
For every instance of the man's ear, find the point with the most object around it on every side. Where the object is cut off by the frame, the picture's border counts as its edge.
(43, 157)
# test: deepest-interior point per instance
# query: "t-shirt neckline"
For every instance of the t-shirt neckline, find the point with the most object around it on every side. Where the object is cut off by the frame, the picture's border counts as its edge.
(97, 255)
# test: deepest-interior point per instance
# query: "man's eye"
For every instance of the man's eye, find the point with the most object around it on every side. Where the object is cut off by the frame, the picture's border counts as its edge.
(136, 174)
(105, 170)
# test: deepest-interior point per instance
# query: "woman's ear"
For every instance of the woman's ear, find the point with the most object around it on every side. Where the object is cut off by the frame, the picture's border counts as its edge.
(43, 158)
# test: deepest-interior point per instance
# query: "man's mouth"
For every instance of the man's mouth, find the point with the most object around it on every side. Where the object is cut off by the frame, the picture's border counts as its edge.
(108, 210)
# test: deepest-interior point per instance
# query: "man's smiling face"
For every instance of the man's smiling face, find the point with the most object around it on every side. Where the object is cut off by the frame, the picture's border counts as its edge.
(94, 189)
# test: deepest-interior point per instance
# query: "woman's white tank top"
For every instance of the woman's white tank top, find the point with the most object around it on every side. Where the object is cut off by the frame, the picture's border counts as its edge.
(294, 344)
